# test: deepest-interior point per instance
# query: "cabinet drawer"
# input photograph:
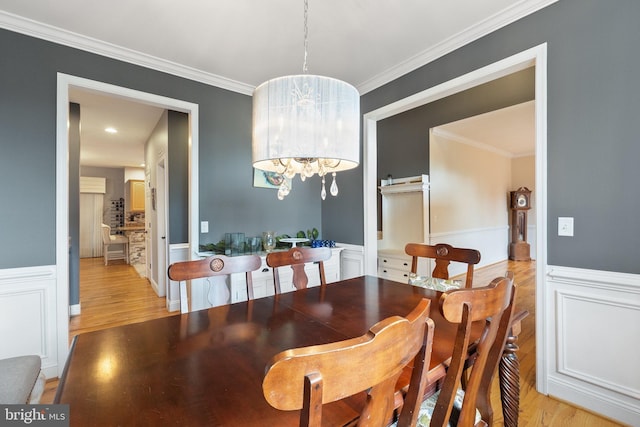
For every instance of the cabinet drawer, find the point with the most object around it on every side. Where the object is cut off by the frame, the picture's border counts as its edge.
(396, 275)
(397, 263)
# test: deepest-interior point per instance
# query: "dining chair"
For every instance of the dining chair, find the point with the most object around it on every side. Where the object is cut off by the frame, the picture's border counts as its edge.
(306, 378)
(109, 239)
(492, 306)
(21, 380)
(443, 254)
(215, 265)
(296, 258)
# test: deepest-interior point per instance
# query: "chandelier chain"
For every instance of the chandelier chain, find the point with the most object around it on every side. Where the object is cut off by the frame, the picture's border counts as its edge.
(306, 36)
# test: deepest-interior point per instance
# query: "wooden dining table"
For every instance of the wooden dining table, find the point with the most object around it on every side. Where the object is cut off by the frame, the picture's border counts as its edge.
(206, 367)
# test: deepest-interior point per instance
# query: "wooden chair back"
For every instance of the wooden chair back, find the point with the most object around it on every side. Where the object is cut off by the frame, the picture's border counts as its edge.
(492, 305)
(308, 377)
(443, 254)
(296, 258)
(215, 265)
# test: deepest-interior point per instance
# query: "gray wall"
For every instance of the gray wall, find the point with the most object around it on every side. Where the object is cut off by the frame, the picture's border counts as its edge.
(28, 150)
(593, 103)
(593, 100)
(74, 203)
(178, 151)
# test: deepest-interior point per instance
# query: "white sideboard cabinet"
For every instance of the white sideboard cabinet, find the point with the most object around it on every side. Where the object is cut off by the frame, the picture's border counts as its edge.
(405, 219)
(263, 278)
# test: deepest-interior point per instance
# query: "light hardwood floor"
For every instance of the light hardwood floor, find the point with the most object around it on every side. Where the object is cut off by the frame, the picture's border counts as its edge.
(116, 295)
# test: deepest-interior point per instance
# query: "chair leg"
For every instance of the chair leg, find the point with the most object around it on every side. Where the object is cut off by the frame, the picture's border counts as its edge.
(105, 251)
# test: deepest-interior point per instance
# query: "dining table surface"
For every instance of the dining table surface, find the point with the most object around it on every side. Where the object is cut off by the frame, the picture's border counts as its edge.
(206, 367)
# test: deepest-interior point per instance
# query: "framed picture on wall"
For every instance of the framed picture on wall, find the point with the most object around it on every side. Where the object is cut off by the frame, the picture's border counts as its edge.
(264, 179)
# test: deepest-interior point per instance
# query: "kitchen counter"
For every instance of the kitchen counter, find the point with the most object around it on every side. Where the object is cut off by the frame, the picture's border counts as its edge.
(137, 253)
(131, 228)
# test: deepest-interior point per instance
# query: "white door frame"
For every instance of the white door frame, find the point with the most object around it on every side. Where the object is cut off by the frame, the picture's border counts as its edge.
(162, 231)
(64, 82)
(535, 56)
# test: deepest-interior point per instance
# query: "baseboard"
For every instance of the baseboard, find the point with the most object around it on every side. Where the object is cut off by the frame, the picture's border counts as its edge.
(74, 310)
(607, 406)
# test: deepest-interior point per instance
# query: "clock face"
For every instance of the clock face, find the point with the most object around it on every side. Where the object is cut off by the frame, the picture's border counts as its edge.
(522, 200)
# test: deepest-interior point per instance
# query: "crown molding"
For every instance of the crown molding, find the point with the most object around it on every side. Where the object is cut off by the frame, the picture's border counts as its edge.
(476, 31)
(50, 33)
(471, 142)
(67, 38)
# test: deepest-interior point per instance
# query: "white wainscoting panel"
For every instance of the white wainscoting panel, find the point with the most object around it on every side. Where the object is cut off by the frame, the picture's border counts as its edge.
(492, 242)
(28, 315)
(177, 252)
(593, 340)
(352, 261)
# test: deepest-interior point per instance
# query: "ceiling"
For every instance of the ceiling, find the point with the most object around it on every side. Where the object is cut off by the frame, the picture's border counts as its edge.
(509, 131)
(133, 121)
(238, 44)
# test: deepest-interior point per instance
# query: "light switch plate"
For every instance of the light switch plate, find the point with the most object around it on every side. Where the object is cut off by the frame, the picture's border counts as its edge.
(565, 226)
(204, 226)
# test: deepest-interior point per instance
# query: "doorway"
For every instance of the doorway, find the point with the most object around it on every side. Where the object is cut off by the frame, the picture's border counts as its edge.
(537, 57)
(64, 83)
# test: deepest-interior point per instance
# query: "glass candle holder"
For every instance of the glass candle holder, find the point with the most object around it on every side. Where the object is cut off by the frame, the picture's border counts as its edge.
(269, 240)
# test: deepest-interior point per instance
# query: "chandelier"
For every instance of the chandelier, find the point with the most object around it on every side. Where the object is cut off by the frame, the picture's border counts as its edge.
(305, 125)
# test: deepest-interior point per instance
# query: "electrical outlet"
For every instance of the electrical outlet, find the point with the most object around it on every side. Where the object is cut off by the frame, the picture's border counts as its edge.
(565, 226)
(204, 226)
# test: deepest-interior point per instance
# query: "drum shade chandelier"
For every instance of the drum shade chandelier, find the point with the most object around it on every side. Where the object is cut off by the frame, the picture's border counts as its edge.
(306, 124)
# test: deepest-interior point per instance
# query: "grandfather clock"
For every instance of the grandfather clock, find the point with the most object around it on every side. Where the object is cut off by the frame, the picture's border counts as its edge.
(519, 249)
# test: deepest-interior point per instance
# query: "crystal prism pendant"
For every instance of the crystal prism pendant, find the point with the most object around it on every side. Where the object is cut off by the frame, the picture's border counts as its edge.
(323, 193)
(334, 186)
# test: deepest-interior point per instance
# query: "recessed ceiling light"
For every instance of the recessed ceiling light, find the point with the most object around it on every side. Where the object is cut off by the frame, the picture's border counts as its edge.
(111, 130)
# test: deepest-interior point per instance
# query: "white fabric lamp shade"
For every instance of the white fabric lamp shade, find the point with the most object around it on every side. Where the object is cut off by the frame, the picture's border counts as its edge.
(306, 121)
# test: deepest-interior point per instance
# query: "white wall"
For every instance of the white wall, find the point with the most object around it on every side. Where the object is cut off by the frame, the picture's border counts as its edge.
(133, 174)
(469, 186)
(523, 174)
(469, 198)
(470, 190)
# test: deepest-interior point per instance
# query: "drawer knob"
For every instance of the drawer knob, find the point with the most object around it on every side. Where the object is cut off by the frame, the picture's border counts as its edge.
(264, 270)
